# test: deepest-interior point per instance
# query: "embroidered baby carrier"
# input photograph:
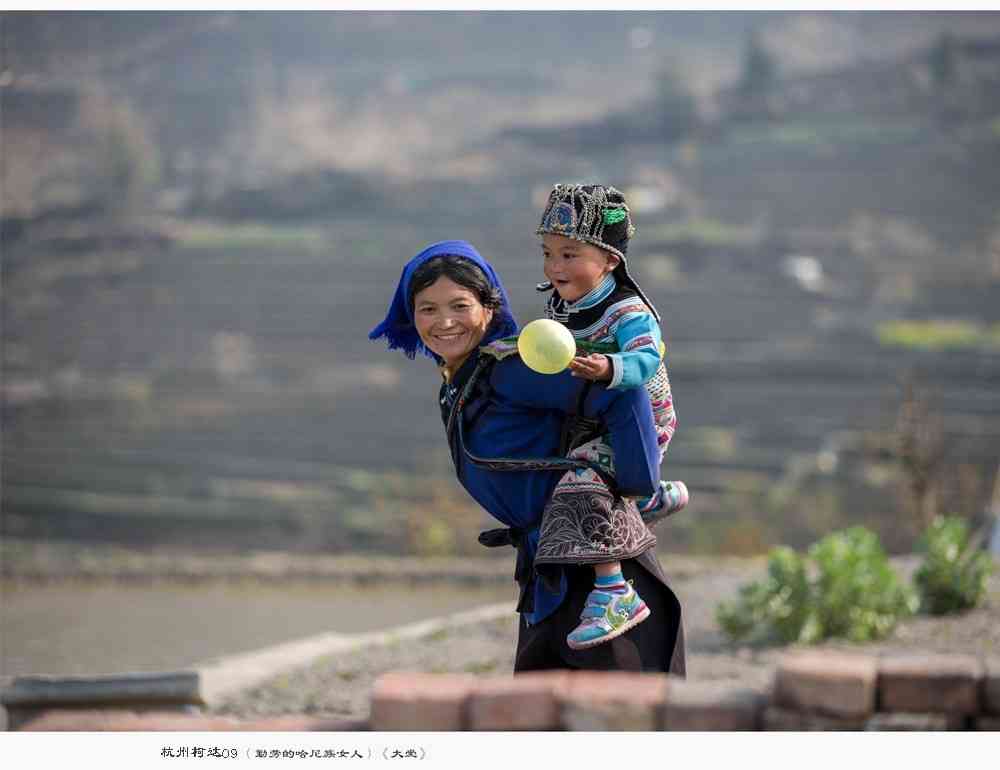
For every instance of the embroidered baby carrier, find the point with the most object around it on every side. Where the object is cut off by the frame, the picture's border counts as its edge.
(585, 521)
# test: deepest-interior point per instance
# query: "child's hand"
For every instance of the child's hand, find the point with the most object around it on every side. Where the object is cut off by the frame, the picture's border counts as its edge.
(593, 367)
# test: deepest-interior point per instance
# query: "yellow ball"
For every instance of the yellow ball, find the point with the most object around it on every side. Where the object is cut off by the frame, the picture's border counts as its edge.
(546, 346)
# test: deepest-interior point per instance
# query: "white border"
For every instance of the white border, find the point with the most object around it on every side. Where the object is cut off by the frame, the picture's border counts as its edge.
(482, 750)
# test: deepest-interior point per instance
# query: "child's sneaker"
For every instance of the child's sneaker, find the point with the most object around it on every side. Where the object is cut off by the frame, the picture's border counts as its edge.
(607, 615)
(671, 497)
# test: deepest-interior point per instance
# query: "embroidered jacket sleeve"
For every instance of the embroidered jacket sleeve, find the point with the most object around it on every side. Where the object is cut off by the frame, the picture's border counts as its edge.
(638, 337)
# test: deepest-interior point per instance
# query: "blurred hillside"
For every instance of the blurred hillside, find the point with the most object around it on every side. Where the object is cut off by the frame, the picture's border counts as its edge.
(203, 214)
(231, 100)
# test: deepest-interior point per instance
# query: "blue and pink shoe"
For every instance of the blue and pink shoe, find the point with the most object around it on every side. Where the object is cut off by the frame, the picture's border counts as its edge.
(671, 497)
(606, 615)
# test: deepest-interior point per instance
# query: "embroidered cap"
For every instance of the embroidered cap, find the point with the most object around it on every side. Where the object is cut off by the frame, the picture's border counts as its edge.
(590, 213)
(594, 214)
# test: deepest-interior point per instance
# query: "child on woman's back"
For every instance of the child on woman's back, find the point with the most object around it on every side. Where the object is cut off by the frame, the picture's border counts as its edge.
(585, 232)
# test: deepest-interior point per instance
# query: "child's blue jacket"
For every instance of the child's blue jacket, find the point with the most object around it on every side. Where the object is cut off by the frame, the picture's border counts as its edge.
(521, 415)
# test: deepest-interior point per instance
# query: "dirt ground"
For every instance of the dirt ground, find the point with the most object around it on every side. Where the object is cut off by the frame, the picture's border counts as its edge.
(341, 686)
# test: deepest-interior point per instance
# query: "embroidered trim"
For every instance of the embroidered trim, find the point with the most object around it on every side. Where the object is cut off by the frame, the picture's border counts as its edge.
(501, 348)
(595, 296)
(583, 523)
(597, 347)
(586, 522)
(614, 216)
(614, 315)
(642, 341)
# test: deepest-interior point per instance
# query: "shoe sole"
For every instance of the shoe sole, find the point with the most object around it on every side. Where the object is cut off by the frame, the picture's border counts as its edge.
(651, 520)
(632, 623)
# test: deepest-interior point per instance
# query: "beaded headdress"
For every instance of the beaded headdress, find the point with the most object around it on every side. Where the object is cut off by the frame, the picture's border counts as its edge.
(597, 215)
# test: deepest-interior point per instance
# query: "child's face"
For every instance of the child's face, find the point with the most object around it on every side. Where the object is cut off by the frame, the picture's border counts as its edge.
(575, 268)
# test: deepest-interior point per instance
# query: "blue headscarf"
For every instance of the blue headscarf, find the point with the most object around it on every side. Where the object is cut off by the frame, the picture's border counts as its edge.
(398, 328)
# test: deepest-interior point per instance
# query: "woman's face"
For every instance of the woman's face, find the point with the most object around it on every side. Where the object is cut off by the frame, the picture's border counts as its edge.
(450, 320)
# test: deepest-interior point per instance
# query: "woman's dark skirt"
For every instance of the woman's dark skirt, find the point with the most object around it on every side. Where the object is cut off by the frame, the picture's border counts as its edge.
(656, 644)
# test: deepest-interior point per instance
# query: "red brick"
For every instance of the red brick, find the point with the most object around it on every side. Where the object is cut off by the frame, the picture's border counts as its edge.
(991, 687)
(778, 719)
(613, 700)
(420, 701)
(522, 702)
(299, 723)
(832, 683)
(902, 722)
(930, 684)
(698, 706)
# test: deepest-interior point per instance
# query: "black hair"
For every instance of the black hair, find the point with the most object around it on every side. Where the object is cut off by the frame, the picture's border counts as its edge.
(465, 273)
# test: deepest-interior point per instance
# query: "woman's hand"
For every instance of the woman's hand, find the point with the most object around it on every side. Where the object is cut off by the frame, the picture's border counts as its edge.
(596, 366)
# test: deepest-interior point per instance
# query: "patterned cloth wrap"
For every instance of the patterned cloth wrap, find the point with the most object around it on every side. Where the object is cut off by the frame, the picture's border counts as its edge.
(585, 522)
(662, 402)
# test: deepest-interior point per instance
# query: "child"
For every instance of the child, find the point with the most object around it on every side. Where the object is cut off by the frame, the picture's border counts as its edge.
(585, 233)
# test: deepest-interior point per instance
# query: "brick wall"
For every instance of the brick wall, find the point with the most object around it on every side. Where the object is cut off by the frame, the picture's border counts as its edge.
(812, 690)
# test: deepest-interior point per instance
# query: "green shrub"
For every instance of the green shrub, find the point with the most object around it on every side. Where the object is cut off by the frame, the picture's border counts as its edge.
(953, 574)
(843, 588)
(857, 595)
(775, 609)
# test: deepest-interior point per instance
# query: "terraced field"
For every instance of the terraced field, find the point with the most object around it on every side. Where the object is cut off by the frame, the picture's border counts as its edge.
(215, 394)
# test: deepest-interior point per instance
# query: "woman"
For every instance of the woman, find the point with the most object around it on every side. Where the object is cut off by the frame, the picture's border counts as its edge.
(504, 424)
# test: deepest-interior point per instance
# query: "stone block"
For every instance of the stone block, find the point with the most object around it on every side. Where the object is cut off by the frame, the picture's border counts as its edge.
(832, 683)
(523, 702)
(987, 724)
(420, 701)
(613, 700)
(127, 720)
(698, 706)
(990, 693)
(930, 684)
(28, 697)
(175, 688)
(122, 720)
(778, 719)
(902, 722)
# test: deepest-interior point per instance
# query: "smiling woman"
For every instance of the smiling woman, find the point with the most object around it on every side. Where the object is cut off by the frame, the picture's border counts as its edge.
(504, 424)
(459, 293)
(452, 318)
